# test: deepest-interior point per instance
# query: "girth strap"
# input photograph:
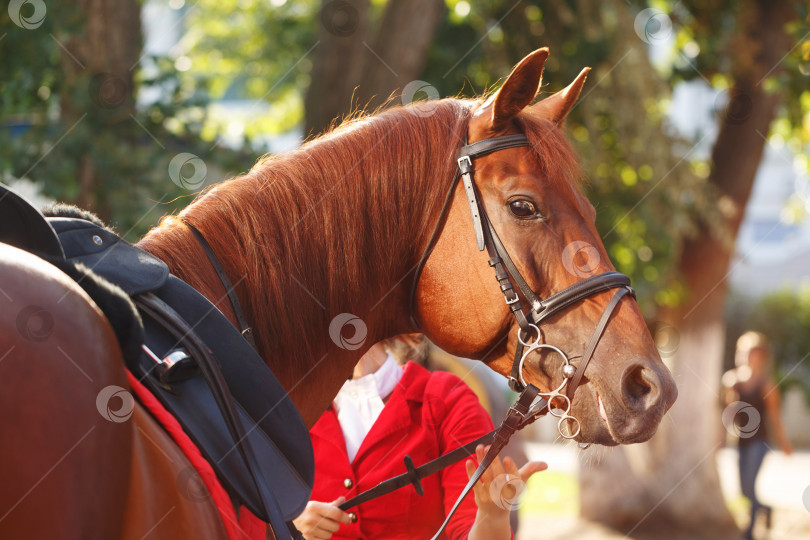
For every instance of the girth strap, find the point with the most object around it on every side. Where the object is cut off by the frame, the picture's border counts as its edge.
(184, 333)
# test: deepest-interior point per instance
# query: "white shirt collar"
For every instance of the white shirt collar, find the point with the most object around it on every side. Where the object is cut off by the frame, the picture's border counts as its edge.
(359, 402)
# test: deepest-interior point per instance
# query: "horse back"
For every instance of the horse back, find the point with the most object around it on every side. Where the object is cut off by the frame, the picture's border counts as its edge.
(79, 457)
(166, 498)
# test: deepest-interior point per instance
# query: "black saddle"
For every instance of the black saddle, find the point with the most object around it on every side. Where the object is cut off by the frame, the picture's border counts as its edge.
(24, 227)
(197, 364)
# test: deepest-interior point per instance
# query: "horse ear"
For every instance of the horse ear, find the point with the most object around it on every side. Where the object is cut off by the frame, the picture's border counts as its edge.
(519, 89)
(557, 106)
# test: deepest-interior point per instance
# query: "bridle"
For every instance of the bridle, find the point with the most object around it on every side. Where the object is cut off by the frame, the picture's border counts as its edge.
(526, 409)
(506, 272)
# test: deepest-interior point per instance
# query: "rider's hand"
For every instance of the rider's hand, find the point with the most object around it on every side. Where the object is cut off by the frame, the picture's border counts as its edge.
(320, 520)
(499, 487)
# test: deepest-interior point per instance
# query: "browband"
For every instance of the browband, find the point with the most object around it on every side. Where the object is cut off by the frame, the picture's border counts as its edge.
(487, 146)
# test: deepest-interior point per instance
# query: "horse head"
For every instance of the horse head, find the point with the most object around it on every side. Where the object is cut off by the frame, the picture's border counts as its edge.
(531, 197)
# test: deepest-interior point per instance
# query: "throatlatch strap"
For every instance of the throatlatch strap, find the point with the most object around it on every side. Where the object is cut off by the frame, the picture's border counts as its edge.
(515, 419)
(244, 328)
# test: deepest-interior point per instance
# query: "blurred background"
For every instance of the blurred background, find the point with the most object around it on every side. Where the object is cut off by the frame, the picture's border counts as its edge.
(693, 128)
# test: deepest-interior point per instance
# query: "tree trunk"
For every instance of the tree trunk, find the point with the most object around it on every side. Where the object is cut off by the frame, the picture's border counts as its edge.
(670, 485)
(400, 50)
(98, 67)
(352, 71)
(337, 66)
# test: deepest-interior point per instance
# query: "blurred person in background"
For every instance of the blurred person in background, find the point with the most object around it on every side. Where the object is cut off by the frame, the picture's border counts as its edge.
(383, 413)
(751, 383)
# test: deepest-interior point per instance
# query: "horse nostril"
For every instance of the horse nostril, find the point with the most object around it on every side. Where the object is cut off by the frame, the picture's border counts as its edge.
(640, 386)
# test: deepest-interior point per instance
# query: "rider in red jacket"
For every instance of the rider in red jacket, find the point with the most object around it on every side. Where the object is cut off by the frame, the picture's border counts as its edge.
(426, 415)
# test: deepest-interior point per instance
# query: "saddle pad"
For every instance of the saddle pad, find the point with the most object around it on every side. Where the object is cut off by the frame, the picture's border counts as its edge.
(248, 526)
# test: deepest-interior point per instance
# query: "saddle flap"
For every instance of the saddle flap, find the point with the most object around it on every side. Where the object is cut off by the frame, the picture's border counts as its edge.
(276, 432)
(109, 256)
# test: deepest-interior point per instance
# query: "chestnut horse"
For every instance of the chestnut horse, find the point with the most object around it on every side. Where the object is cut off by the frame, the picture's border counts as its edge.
(322, 244)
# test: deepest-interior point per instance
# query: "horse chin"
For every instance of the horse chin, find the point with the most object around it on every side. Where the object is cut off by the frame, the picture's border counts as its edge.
(594, 424)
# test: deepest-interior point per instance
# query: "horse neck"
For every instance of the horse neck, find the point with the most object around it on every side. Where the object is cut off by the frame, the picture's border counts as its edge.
(331, 229)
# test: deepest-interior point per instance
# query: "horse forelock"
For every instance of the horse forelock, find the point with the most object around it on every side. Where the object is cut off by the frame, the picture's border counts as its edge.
(560, 163)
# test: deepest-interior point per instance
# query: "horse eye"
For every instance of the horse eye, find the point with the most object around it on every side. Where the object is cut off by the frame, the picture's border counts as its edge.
(523, 209)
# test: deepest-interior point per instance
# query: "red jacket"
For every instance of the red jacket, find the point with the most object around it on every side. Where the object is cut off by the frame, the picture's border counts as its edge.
(427, 415)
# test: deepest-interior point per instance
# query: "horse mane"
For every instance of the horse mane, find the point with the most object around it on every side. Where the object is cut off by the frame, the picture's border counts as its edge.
(300, 229)
(348, 210)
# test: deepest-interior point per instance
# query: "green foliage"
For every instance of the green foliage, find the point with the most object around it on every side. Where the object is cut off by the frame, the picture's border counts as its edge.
(647, 199)
(254, 50)
(53, 129)
(785, 318)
